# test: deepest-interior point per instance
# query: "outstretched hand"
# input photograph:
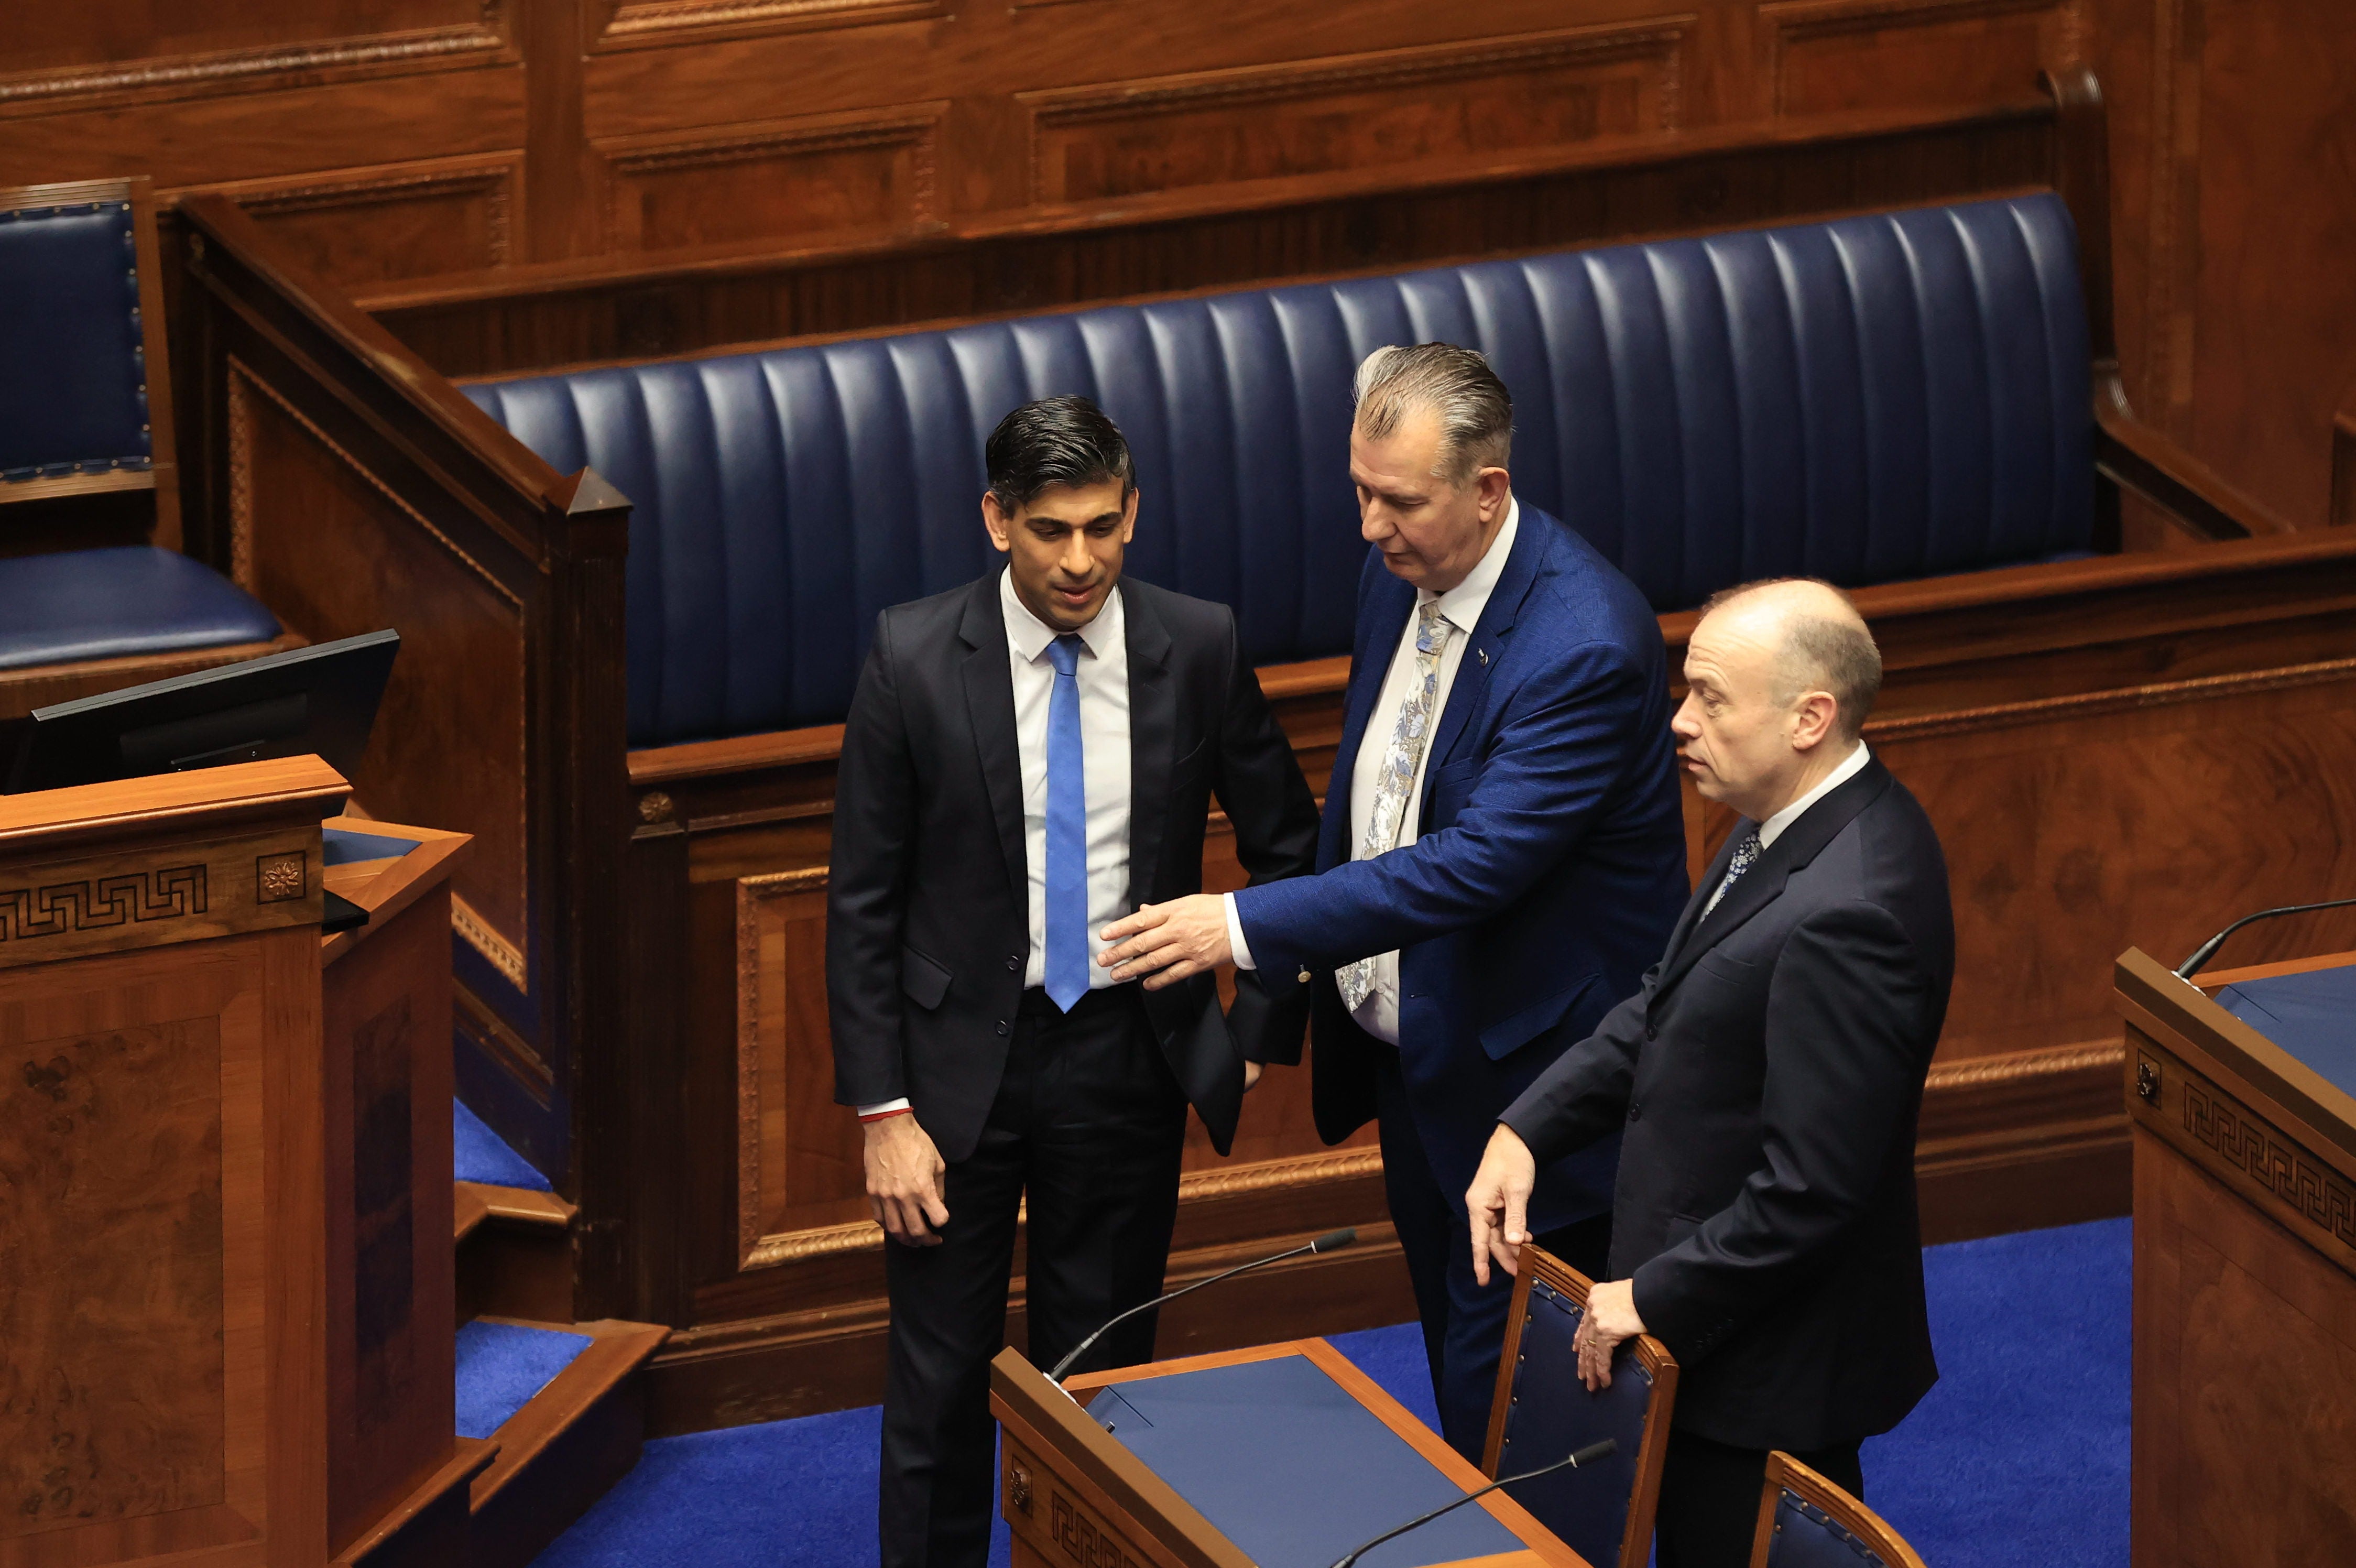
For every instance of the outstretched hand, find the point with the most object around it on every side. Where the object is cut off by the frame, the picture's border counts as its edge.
(1499, 1201)
(1162, 944)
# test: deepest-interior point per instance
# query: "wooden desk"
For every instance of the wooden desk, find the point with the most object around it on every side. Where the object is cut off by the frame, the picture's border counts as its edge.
(225, 1300)
(1074, 1494)
(2244, 1283)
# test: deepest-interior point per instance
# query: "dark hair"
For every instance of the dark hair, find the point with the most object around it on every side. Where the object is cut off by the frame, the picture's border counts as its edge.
(1055, 441)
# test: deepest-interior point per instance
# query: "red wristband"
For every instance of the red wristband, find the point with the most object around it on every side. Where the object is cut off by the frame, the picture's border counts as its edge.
(887, 1115)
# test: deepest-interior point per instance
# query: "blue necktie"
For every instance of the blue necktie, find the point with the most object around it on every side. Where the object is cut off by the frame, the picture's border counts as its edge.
(1066, 965)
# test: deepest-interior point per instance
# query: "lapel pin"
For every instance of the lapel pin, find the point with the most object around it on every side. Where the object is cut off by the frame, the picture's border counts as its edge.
(1304, 975)
(1482, 655)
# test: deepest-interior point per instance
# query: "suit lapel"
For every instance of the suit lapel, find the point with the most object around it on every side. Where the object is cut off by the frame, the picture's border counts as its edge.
(1481, 649)
(1152, 739)
(1763, 883)
(990, 706)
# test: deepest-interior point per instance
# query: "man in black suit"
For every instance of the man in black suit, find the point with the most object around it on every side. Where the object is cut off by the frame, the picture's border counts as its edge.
(1768, 1078)
(1028, 759)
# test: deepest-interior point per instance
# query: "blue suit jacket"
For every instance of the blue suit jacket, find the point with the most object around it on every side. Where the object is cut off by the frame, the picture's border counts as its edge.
(1549, 872)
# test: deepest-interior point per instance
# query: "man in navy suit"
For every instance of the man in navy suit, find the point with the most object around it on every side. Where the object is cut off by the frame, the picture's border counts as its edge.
(1501, 852)
(1768, 1077)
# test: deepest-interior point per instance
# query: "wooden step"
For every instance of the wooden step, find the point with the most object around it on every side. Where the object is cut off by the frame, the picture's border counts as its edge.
(514, 1253)
(433, 1526)
(570, 1442)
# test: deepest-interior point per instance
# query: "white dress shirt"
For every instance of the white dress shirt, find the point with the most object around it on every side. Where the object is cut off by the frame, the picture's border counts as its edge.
(1103, 677)
(1461, 606)
(1846, 768)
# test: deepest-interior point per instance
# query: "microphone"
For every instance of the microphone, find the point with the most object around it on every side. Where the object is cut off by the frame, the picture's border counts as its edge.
(1587, 1455)
(2208, 950)
(1332, 1241)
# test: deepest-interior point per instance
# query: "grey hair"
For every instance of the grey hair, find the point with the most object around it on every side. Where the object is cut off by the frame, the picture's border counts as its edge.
(1821, 653)
(1477, 411)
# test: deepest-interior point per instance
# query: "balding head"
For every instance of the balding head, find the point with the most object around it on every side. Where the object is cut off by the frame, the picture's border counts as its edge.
(1821, 642)
(1780, 676)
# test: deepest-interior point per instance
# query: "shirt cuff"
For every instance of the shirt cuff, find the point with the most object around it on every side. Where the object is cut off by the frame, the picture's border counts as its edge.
(883, 1108)
(1238, 949)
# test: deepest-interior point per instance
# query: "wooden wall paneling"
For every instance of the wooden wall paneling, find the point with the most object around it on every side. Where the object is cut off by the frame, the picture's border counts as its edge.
(1392, 109)
(1822, 56)
(386, 223)
(809, 177)
(670, 24)
(505, 581)
(540, 318)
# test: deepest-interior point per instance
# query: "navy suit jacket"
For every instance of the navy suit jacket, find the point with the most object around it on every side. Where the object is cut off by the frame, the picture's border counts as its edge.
(1549, 868)
(1769, 1077)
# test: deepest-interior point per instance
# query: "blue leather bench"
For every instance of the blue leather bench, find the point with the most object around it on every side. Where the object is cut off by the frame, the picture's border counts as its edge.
(1879, 398)
(77, 417)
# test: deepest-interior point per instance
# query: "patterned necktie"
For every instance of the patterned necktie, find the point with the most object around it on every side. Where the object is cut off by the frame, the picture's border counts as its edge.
(1066, 965)
(1746, 852)
(1396, 783)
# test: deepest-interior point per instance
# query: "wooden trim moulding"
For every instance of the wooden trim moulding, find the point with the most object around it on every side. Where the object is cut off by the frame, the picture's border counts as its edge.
(242, 71)
(1646, 150)
(664, 24)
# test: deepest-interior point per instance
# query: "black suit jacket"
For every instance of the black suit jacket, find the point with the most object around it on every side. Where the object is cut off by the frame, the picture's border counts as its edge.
(927, 900)
(1769, 1077)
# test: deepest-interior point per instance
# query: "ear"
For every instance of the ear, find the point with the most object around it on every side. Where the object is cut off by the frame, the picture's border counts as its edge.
(994, 519)
(1496, 488)
(1813, 720)
(1129, 515)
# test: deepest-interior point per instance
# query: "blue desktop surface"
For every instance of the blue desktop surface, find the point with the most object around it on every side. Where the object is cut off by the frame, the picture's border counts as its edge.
(341, 846)
(1287, 1465)
(2312, 1017)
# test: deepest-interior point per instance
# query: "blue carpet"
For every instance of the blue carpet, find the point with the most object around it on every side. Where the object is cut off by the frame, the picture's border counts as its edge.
(502, 1364)
(2018, 1459)
(478, 1155)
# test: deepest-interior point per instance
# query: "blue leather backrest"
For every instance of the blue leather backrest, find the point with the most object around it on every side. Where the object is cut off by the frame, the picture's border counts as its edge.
(1807, 1537)
(73, 376)
(1883, 397)
(1552, 1414)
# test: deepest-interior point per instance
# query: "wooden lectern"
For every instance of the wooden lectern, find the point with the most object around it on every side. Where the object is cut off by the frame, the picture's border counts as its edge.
(2244, 1281)
(1078, 1496)
(221, 1334)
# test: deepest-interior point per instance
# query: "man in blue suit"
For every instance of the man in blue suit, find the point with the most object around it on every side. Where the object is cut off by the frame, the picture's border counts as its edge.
(1502, 851)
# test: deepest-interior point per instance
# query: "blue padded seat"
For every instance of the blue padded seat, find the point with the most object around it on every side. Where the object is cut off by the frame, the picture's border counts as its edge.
(1879, 398)
(73, 373)
(1807, 1537)
(1552, 1415)
(104, 604)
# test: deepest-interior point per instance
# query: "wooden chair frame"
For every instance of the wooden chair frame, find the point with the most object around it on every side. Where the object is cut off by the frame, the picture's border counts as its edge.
(33, 686)
(1787, 1474)
(162, 474)
(1537, 1264)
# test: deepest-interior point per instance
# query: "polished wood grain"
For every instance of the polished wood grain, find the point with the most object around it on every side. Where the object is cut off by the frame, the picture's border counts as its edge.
(1536, 1265)
(1787, 1474)
(570, 1442)
(167, 1357)
(2245, 1284)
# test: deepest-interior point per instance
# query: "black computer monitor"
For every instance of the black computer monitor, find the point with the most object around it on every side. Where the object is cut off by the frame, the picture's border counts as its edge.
(320, 699)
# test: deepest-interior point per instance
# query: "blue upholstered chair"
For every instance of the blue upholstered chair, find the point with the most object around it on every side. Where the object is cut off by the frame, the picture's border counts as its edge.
(85, 410)
(1604, 1511)
(1806, 1521)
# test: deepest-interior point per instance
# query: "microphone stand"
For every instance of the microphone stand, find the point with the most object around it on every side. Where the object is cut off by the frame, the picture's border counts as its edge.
(2208, 950)
(1587, 1455)
(1332, 1241)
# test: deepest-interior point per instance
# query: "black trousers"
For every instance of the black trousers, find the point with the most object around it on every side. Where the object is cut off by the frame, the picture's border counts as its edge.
(1708, 1512)
(1090, 1124)
(1463, 1321)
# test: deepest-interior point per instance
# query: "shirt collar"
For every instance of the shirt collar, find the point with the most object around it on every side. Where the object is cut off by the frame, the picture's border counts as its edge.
(1030, 636)
(1848, 767)
(1462, 605)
